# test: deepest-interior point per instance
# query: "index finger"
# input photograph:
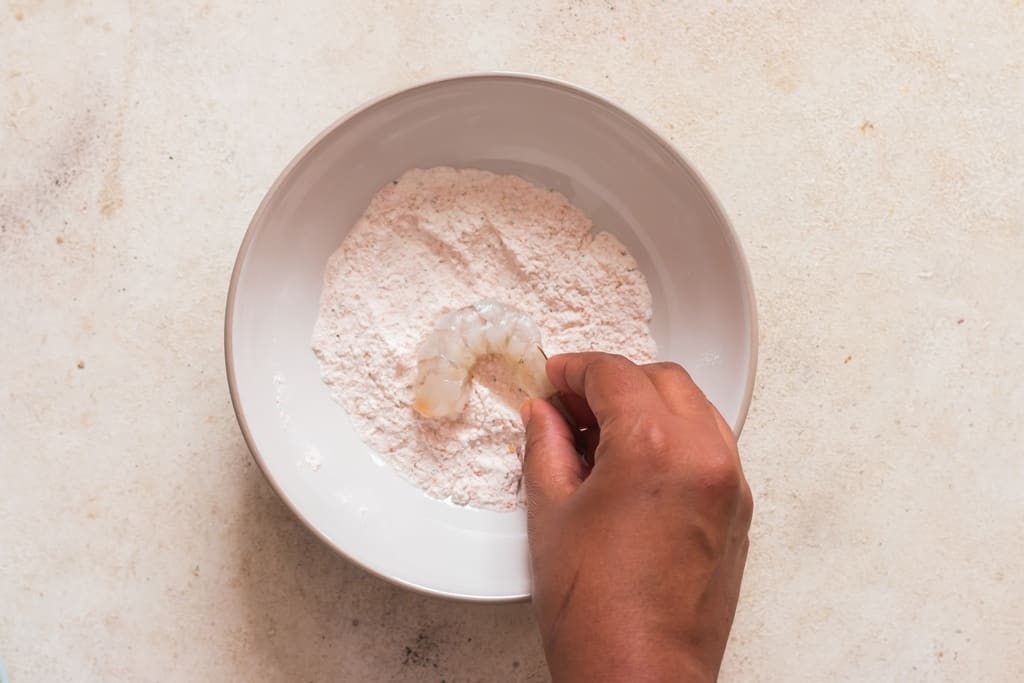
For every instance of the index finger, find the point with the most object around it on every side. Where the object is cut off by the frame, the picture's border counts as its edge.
(612, 385)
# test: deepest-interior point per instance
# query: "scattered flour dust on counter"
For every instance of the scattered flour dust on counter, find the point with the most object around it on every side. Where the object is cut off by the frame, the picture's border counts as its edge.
(441, 239)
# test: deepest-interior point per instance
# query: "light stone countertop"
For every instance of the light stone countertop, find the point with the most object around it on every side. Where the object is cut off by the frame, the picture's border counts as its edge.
(871, 158)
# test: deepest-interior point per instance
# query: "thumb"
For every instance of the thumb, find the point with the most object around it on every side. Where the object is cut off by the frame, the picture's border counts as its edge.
(551, 467)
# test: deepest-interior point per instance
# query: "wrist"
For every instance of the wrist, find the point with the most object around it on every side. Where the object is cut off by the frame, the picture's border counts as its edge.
(622, 660)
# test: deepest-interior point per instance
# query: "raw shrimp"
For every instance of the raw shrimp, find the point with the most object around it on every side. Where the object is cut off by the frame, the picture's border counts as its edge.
(446, 357)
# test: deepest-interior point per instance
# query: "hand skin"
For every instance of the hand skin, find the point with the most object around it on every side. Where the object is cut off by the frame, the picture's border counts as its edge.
(637, 561)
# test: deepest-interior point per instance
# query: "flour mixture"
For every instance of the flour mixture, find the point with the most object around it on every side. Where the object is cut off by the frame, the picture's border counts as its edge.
(440, 239)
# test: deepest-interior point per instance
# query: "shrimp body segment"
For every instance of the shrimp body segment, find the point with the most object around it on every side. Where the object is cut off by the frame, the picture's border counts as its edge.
(446, 358)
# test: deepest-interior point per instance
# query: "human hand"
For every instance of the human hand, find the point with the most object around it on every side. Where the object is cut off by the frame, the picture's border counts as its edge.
(636, 561)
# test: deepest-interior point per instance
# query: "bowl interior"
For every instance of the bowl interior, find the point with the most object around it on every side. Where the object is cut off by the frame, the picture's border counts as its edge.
(621, 174)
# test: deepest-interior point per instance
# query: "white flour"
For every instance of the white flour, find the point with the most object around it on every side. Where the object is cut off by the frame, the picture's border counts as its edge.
(445, 238)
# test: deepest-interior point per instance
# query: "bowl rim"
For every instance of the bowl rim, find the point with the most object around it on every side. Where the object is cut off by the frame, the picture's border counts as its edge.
(257, 217)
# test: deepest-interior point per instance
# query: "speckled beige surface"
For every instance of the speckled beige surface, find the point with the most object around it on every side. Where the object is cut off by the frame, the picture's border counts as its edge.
(872, 160)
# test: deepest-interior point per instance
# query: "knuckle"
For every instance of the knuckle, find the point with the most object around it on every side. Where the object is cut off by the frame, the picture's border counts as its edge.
(614, 374)
(534, 442)
(610, 363)
(722, 477)
(653, 439)
(670, 369)
(746, 510)
(652, 435)
(647, 436)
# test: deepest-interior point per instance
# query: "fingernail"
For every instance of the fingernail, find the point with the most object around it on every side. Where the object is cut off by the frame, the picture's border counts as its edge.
(524, 412)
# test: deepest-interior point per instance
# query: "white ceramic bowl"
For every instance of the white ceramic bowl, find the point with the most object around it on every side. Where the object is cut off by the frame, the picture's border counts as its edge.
(624, 176)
